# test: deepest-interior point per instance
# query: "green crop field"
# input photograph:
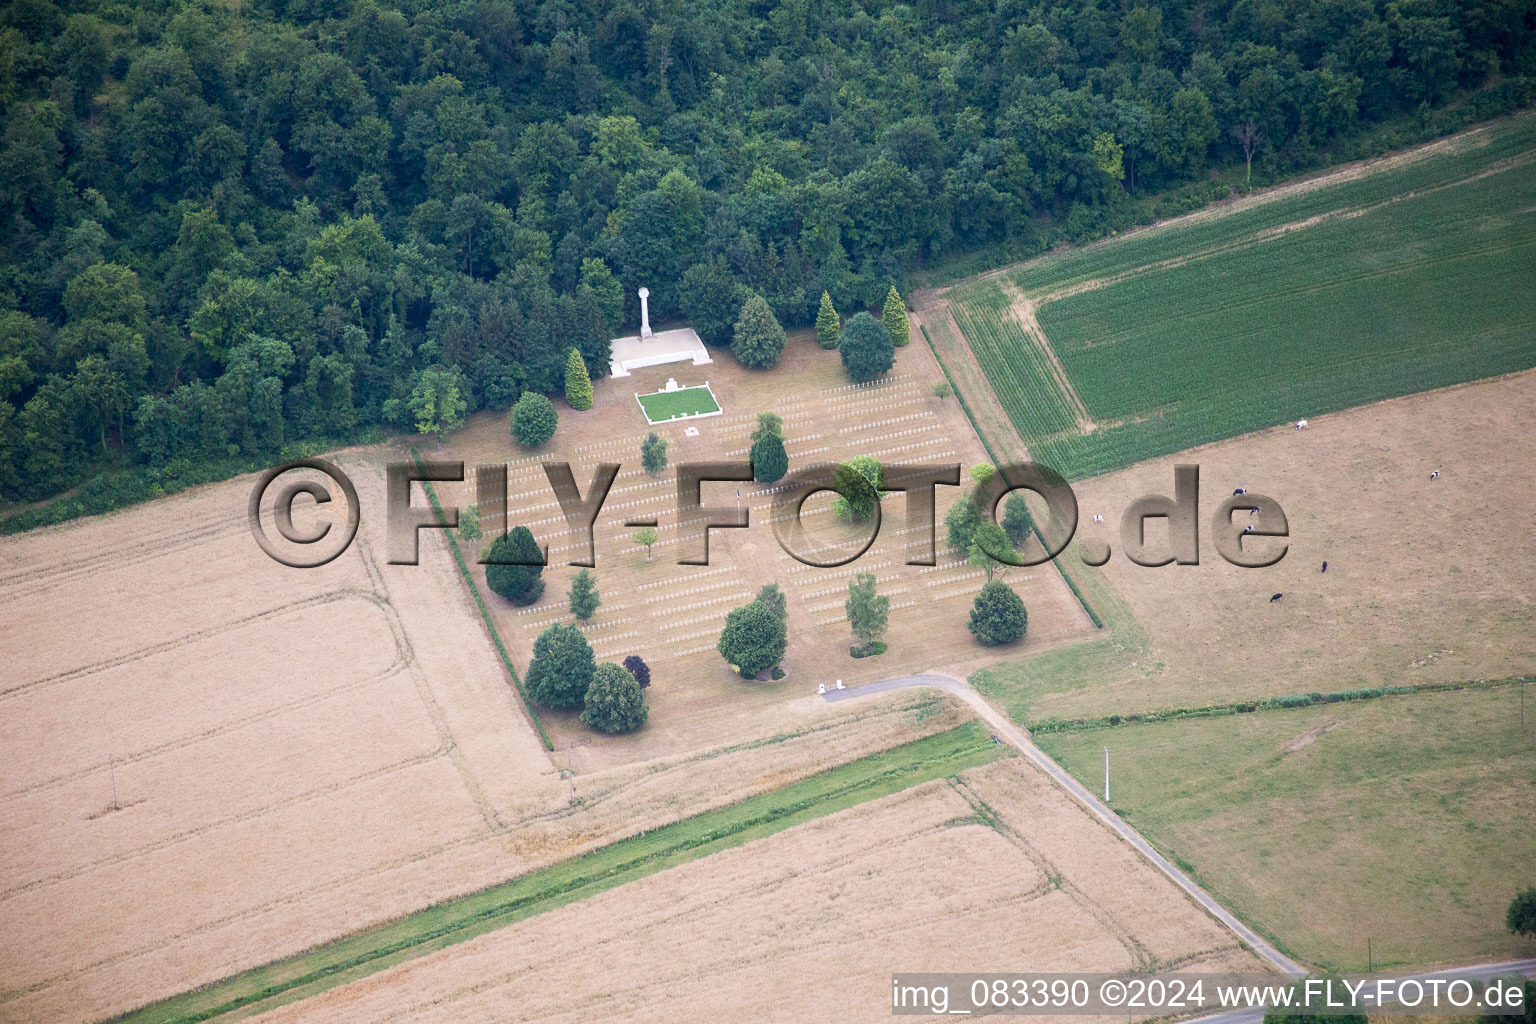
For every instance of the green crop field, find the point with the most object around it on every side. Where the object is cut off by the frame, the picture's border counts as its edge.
(1405, 819)
(666, 405)
(1401, 280)
(1029, 394)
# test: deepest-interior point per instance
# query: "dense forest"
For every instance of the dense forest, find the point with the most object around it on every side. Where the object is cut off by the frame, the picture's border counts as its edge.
(227, 229)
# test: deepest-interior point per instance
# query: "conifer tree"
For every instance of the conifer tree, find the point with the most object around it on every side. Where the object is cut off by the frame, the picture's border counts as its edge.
(828, 324)
(578, 384)
(895, 318)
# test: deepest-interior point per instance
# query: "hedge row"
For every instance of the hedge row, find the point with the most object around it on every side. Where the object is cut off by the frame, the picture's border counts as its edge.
(1242, 707)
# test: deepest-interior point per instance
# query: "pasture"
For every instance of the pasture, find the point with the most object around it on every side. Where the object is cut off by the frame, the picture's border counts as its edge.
(1376, 281)
(994, 866)
(671, 614)
(1405, 820)
(1428, 581)
(296, 754)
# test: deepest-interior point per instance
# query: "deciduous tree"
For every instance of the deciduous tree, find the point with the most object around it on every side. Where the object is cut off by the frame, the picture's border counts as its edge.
(866, 348)
(653, 453)
(753, 640)
(562, 667)
(772, 598)
(988, 547)
(469, 523)
(858, 482)
(868, 612)
(533, 420)
(998, 615)
(437, 401)
(1016, 518)
(636, 666)
(645, 536)
(614, 702)
(1521, 916)
(961, 521)
(584, 595)
(711, 299)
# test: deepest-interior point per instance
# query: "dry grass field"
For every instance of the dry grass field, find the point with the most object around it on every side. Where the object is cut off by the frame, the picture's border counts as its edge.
(1428, 581)
(998, 869)
(296, 754)
(671, 614)
(1404, 820)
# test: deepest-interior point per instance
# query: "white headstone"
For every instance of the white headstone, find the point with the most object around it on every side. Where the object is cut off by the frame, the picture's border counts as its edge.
(645, 313)
(672, 384)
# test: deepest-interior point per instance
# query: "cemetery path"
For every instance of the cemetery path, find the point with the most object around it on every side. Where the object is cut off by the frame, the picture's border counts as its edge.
(1005, 731)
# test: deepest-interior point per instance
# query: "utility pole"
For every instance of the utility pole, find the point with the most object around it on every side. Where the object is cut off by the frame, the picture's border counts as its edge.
(570, 773)
(1106, 775)
(112, 768)
(1369, 962)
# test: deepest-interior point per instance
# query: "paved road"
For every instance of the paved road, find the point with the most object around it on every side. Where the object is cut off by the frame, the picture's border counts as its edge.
(1004, 729)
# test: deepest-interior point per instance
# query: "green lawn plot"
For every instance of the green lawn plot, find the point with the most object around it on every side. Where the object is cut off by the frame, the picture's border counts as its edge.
(680, 404)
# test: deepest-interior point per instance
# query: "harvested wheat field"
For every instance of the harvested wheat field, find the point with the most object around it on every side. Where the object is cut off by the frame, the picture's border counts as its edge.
(294, 754)
(1429, 580)
(671, 614)
(809, 924)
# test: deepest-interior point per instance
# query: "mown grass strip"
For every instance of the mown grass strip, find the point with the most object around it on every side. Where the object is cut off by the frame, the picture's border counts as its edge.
(485, 613)
(975, 426)
(941, 755)
(1242, 707)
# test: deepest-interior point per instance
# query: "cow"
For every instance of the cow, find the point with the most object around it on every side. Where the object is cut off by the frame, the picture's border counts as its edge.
(1301, 424)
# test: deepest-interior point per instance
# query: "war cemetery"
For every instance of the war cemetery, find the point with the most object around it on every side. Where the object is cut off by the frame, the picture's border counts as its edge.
(713, 512)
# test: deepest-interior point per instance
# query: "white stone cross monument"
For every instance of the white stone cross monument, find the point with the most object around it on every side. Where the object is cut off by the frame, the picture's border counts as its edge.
(645, 313)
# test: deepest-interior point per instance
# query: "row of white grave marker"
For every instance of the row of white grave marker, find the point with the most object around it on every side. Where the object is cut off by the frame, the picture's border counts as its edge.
(692, 576)
(691, 650)
(874, 425)
(713, 601)
(865, 385)
(703, 588)
(897, 398)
